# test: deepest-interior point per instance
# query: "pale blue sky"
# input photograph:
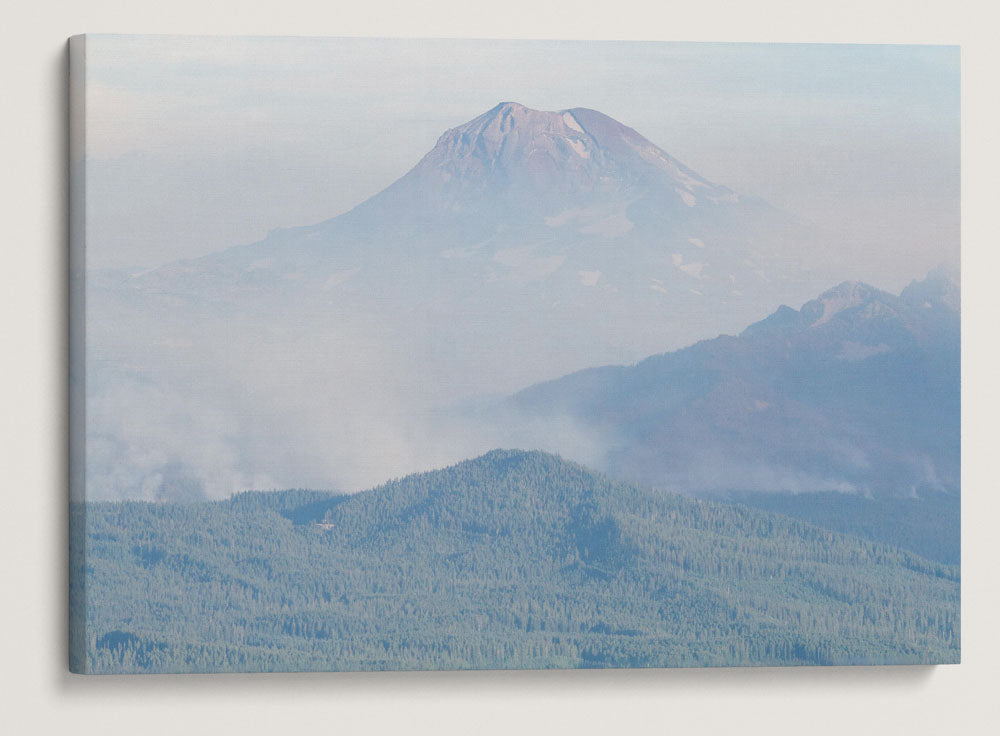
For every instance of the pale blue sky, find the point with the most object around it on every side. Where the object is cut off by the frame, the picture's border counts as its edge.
(200, 143)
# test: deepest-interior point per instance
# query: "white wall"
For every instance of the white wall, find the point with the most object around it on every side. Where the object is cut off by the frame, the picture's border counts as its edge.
(37, 694)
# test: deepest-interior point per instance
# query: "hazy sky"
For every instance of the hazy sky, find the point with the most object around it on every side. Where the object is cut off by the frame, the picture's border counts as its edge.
(195, 144)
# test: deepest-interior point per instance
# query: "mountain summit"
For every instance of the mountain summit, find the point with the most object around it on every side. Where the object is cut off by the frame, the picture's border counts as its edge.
(532, 160)
(559, 218)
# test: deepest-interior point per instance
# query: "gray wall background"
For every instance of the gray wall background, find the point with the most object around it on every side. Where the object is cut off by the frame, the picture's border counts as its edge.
(40, 697)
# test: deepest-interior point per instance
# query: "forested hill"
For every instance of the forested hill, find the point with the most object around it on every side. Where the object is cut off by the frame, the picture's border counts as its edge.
(514, 559)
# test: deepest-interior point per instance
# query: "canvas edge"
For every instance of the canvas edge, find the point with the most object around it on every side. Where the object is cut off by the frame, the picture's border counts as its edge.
(77, 47)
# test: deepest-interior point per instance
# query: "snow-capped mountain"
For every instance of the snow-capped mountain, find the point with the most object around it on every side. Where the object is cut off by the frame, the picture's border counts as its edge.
(525, 245)
(518, 227)
(528, 163)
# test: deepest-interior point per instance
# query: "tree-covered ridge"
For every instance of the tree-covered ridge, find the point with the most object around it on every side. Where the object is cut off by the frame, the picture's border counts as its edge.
(510, 560)
(929, 525)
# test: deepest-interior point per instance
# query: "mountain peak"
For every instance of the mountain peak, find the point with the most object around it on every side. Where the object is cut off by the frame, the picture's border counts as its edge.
(941, 287)
(509, 107)
(519, 128)
(844, 296)
(926, 309)
(542, 162)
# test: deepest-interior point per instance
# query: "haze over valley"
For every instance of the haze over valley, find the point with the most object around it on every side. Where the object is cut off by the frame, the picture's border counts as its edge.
(525, 245)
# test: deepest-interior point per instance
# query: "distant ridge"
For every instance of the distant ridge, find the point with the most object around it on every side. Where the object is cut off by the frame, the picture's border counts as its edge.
(859, 390)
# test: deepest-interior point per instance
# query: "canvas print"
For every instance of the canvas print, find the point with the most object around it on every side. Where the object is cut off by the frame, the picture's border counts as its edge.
(455, 354)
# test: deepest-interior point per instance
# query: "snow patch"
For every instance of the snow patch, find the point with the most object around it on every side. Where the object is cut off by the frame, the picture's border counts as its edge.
(579, 147)
(692, 269)
(339, 277)
(845, 296)
(571, 122)
(686, 197)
